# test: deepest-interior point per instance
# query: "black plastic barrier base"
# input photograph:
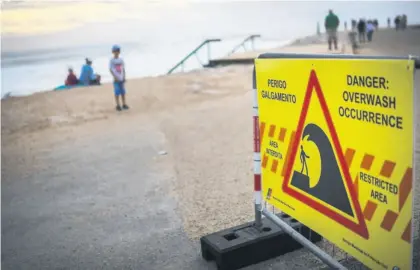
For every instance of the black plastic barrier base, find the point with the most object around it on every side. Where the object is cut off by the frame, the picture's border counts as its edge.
(244, 245)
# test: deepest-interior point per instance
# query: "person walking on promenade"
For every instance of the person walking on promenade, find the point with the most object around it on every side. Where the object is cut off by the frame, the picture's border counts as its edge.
(361, 29)
(353, 24)
(370, 28)
(403, 22)
(376, 24)
(397, 22)
(389, 22)
(331, 24)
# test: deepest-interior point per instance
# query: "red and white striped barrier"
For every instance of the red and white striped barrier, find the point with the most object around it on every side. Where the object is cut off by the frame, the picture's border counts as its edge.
(257, 155)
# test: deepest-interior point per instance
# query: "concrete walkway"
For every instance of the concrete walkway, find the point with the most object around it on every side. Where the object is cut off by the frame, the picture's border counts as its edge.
(105, 205)
(308, 45)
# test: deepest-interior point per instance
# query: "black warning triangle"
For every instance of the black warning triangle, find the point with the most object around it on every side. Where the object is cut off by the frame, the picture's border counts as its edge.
(330, 188)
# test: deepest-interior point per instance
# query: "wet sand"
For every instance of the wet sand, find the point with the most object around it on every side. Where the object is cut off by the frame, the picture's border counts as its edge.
(86, 187)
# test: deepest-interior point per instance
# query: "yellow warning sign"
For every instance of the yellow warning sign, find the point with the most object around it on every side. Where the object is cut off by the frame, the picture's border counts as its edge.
(337, 150)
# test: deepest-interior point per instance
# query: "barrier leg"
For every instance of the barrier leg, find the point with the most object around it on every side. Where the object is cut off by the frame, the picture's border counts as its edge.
(257, 157)
(327, 259)
(258, 214)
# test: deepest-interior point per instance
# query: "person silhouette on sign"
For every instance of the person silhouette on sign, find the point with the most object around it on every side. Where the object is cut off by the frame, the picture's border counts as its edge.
(303, 158)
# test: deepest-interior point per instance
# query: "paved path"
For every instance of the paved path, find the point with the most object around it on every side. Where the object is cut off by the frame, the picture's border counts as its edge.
(104, 206)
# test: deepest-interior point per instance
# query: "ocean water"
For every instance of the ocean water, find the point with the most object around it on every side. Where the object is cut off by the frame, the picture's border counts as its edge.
(41, 39)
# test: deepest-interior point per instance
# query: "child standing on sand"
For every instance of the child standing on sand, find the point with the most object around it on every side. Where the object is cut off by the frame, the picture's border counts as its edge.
(117, 69)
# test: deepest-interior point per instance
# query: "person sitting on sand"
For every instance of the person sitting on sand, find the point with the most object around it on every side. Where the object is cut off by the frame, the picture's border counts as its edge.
(71, 78)
(331, 24)
(87, 76)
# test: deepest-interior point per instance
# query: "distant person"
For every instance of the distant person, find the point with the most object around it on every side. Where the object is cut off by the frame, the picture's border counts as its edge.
(397, 22)
(117, 69)
(87, 75)
(389, 22)
(331, 24)
(71, 78)
(403, 22)
(376, 24)
(345, 25)
(353, 24)
(370, 28)
(361, 29)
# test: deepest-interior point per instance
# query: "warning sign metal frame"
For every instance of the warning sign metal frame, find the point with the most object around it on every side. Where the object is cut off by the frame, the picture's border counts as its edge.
(258, 198)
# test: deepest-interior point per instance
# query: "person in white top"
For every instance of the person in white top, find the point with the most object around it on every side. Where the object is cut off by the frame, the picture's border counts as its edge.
(370, 28)
(117, 69)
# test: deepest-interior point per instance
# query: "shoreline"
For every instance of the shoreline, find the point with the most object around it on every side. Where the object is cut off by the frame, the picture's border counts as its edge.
(303, 41)
(300, 42)
(9, 94)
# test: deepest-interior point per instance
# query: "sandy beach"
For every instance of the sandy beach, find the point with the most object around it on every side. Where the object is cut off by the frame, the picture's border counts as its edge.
(84, 186)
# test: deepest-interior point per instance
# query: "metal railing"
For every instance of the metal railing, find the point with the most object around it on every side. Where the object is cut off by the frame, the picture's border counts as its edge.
(242, 44)
(194, 52)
